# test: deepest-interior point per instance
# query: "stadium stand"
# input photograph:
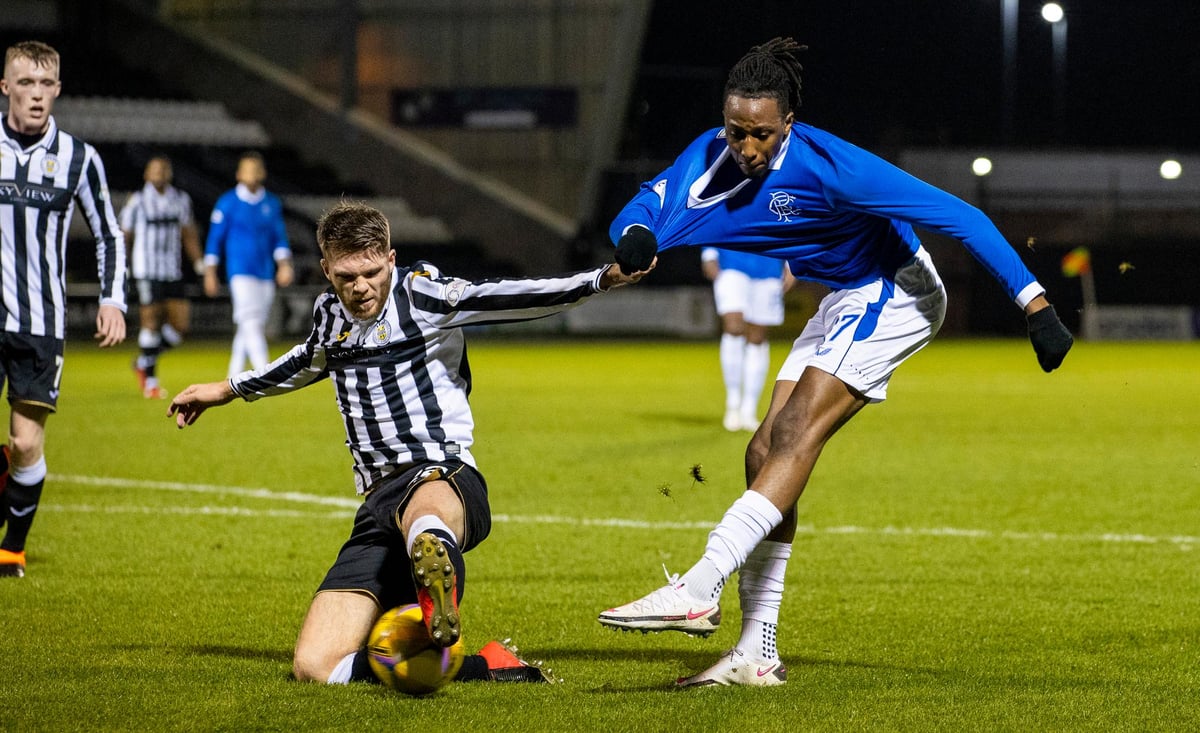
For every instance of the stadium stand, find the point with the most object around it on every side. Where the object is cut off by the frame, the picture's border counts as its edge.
(129, 116)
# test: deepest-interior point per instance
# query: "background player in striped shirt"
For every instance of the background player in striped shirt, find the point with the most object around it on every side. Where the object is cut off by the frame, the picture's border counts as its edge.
(246, 233)
(158, 224)
(748, 293)
(44, 173)
(390, 340)
(840, 216)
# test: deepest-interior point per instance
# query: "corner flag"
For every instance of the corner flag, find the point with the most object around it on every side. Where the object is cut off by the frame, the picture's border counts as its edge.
(1077, 262)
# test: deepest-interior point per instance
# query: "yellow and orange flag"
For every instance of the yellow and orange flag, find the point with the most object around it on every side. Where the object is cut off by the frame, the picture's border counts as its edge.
(1077, 262)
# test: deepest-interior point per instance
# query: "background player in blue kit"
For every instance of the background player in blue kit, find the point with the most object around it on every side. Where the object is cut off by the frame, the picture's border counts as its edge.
(247, 233)
(837, 215)
(748, 293)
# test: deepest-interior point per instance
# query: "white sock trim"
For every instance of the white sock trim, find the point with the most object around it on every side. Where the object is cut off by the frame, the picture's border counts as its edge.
(424, 524)
(29, 475)
(341, 673)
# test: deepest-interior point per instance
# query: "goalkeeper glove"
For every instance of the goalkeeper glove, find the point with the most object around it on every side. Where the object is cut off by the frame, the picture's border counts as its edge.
(1051, 339)
(636, 250)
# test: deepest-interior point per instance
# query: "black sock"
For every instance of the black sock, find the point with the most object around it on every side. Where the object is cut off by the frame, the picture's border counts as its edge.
(474, 669)
(21, 505)
(148, 360)
(360, 668)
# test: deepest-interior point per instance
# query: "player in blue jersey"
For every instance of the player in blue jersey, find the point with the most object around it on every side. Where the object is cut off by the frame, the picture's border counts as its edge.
(748, 293)
(837, 215)
(246, 232)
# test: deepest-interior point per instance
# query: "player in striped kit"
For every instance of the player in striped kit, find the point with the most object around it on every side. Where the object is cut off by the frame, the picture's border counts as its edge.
(44, 173)
(840, 216)
(157, 221)
(390, 340)
(748, 292)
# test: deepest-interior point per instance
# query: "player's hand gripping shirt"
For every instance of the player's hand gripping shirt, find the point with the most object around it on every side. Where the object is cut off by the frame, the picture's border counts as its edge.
(836, 213)
(402, 379)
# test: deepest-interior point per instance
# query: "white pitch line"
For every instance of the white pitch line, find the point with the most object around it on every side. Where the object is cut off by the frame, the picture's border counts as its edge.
(1183, 542)
(253, 493)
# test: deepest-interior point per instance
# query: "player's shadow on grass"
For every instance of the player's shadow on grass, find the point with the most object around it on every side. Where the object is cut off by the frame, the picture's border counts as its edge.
(216, 650)
(682, 418)
(691, 662)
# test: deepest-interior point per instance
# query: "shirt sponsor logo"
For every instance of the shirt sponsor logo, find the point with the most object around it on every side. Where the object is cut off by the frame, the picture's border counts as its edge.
(30, 194)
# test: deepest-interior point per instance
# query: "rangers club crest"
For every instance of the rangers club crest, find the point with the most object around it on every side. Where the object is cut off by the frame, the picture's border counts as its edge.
(781, 205)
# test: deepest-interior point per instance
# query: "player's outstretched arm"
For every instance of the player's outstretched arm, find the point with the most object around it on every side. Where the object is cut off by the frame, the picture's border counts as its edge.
(189, 404)
(615, 277)
(1050, 338)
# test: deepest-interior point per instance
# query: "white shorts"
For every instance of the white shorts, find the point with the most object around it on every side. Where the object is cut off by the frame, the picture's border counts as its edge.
(759, 300)
(252, 298)
(861, 335)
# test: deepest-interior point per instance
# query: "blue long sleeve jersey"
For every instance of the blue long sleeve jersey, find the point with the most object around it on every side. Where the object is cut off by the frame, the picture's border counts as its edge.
(247, 234)
(837, 214)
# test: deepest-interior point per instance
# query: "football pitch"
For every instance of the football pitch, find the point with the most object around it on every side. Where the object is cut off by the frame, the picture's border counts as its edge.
(993, 548)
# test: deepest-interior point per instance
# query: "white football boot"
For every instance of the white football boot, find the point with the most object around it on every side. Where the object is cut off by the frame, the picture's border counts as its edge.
(735, 668)
(670, 608)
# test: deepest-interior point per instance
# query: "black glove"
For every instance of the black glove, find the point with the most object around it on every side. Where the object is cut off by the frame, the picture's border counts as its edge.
(636, 250)
(1051, 339)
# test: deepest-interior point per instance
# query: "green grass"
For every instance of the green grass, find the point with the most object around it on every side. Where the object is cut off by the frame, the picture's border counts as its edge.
(990, 549)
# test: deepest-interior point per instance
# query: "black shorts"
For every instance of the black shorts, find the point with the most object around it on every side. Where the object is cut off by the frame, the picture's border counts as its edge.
(32, 366)
(156, 291)
(375, 560)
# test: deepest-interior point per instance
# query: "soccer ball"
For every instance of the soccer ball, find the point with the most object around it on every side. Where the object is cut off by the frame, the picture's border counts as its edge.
(403, 656)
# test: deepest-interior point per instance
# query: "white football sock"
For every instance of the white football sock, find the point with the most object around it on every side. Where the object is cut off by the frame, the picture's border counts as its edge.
(743, 527)
(424, 524)
(341, 673)
(170, 336)
(237, 354)
(732, 353)
(760, 591)
(255, 339)
(754, 376)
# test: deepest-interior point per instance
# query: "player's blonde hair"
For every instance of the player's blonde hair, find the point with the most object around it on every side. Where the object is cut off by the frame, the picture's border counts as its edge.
(41, 54)
(351, 227)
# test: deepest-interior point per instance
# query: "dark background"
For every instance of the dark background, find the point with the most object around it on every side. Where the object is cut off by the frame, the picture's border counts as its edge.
(924, 72)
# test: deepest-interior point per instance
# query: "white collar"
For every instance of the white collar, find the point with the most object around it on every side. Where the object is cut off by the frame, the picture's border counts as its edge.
(698, 186)
(250, 197)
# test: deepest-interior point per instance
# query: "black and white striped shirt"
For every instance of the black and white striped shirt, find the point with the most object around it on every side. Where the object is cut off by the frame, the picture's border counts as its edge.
(156, 221)
(402, 379)
(39, 188)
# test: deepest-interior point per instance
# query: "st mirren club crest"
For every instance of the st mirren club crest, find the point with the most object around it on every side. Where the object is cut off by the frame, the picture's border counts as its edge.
(383, 332)
(50, 165)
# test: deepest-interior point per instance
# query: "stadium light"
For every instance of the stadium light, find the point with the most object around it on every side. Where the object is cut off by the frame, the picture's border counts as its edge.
(1056, 16)
(1170, 169)
(981, 166)
(1052, 12)
(1009, 16)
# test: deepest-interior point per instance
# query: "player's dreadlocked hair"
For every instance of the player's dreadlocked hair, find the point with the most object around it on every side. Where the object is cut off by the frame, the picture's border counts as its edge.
(770, 70)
